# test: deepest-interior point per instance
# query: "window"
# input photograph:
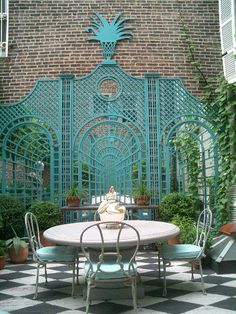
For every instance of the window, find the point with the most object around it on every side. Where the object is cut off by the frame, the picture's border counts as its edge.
(227, 11)
(4, 28)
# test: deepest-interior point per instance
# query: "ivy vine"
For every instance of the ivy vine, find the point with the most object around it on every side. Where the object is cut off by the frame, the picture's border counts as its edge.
(220, 103)
(222, 110)
(190, 154)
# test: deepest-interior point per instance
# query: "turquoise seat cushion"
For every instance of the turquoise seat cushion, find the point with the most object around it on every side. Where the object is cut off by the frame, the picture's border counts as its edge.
(57, 253)
(111, 270)
(181, 251)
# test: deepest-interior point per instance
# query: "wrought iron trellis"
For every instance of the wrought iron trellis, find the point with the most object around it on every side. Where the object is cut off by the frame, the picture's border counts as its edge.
(106, 128)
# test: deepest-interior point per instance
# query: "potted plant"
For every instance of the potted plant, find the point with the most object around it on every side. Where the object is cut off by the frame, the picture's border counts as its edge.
(177, 203)
(74, 196)
(48, 215)
(141, 194)
(17, 248)
(2, 254)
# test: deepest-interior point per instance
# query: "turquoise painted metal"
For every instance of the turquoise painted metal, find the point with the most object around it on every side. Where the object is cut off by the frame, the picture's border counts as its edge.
(108, 33)
(105, 128)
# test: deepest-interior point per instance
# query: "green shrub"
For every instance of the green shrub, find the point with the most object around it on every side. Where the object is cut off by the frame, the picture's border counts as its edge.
(12, 212)
(47, 213)
(176, 203)
(187, 228)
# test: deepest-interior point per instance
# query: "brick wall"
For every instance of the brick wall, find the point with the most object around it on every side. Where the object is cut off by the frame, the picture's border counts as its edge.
(47, 37)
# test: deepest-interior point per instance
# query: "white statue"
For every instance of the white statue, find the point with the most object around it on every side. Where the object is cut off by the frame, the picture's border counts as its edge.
(110, 205)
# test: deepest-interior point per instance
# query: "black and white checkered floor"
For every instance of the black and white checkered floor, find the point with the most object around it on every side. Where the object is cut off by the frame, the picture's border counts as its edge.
(184, 296)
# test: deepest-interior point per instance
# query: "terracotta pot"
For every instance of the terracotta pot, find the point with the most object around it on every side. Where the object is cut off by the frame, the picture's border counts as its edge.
(195, 264)
(142, 200)
(73, 201)
(2, 262)
(44, 241)
(21, 255)
(174, 240)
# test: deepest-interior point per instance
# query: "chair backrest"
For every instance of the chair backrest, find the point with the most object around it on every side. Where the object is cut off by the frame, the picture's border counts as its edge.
(116, 256)
(203, 228)
(32, 229)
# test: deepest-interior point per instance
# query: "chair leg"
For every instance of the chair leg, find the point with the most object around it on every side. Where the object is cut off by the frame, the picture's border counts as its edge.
(45, 273)
(37, 283)
(202, 281)
(192, 276)
(164, 279)
(159, 265)
(88, 297)
(73, 281)
(77, 269)
(134, 293)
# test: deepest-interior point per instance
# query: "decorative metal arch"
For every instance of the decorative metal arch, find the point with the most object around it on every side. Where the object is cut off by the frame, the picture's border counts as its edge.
(105, 128)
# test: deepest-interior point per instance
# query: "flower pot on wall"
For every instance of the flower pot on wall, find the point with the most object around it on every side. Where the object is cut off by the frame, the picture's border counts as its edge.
(73, 201)
(142, 199)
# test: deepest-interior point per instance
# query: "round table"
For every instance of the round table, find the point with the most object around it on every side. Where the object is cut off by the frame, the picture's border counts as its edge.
(149, 231)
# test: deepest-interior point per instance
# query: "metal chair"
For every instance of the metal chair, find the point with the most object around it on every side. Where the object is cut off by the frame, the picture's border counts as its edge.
(189, 252)
(50, 254)
(109, 266)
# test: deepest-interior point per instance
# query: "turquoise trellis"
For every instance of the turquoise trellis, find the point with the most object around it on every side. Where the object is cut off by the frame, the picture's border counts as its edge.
(108, 33)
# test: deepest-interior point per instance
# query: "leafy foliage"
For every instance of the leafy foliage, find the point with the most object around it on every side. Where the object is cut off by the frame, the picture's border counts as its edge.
(2, 248)
(224, 103)
(177, 203)
(16, 242)
(74, 191)
(187, 228)
(220, 103)
(188, 148)
(141, 189)
(108, 32)
(47, 213)
(12, 213)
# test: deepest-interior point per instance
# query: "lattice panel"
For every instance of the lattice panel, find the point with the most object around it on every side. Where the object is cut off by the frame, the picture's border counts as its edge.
(41, 102)
(89, 103)
(176, 165)
(105, 128)
(153, 123)
(26, 146)
(109, 149)
(175, 101)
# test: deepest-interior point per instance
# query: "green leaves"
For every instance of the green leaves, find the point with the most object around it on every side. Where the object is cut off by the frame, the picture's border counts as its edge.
(225, 99)
(16, 243)
(176, 203)
(47, 213)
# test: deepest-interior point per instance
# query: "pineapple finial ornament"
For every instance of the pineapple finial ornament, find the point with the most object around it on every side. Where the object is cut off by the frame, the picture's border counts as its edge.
(108, 33)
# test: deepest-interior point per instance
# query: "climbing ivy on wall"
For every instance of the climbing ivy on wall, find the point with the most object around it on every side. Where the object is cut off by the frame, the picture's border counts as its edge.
(222, 109)
(220, 103)
(188, 148)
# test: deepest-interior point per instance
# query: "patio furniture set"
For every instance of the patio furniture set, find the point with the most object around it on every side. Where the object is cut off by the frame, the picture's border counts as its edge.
(110, 250)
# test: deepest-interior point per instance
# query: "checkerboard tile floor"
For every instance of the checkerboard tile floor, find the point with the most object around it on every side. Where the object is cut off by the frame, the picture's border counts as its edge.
(184, 296)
